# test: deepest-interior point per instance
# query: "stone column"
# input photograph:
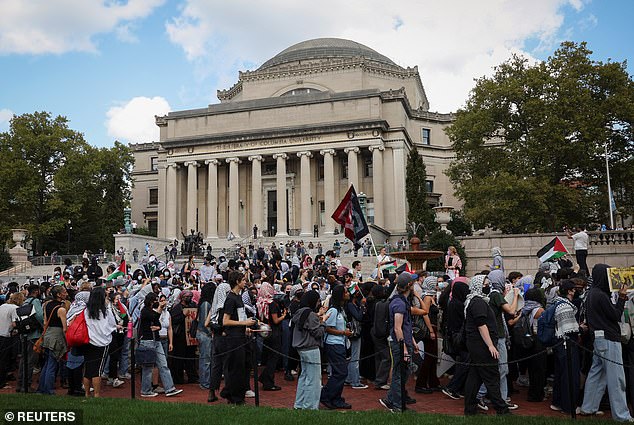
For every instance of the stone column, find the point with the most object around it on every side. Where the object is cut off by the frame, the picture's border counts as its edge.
(400, 204)
(192, 195)
(377, 184)
(306, 195)
(234, 197)
(353, 168)
(329, 190)
(212, 198)
(282, 225)
(256, 192)
(170, 196)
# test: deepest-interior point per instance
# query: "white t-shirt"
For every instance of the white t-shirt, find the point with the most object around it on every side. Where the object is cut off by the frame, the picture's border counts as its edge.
(581, 240)
(7, 317)
(382, 258)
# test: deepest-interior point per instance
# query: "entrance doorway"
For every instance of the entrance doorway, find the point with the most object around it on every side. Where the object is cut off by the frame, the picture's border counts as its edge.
(272, 211)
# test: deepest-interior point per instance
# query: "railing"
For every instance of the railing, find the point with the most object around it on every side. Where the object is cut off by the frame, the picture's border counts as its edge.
(20, 268)
(58, 260)
(611, 237)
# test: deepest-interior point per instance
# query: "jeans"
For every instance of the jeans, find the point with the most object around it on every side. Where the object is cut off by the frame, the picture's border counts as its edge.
(400, 371)
(124, 361)
(503, 368)
(161, 364)
(353, 366)
(602, 372)
(331, 392)
(204, 360)
(47, 375)
(309, 381)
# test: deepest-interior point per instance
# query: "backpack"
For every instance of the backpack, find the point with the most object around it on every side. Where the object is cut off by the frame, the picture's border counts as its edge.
(27, 322)
(381, 324)
(546, 325)
(522, 334)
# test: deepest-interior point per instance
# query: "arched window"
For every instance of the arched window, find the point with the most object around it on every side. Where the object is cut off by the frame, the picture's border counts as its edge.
(300, 90)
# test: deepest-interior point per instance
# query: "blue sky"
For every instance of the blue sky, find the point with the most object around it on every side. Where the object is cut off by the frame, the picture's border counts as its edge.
(110, 66)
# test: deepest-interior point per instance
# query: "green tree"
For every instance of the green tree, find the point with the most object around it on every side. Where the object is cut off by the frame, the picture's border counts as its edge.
(459, 224)
(52, 175)
(530, 142)
(441, 241)
(416, 193)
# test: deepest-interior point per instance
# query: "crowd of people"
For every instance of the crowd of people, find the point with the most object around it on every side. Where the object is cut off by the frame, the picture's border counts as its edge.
(200, 321)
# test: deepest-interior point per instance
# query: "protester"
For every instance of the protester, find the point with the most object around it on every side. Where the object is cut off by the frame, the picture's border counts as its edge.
(54, 339)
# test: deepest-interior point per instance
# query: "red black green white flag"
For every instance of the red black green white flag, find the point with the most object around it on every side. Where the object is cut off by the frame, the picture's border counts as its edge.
(349, 215)
(553, 250)
(121, 271)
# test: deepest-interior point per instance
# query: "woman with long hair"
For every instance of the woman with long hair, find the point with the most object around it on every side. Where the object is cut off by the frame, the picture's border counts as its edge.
(203, 335)
(453, 264)
(150, 325)
(120, 314)
(308, 335)
(335, 347)
(101, 324)
(54, 340)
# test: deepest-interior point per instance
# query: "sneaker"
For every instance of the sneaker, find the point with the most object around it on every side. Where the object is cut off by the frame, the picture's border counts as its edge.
(152, 394)
(582, 413)
(36, 370)
(293, 372)
(385, 387)
(385, 403)
(359, 387)
(410, 400)
(109, 381)
(172, 392)
(117, 383)
(512, 406)
(249, 394)
(159, 390)
(449, 394)
(555, 408)
(125, 376)
(482, 405)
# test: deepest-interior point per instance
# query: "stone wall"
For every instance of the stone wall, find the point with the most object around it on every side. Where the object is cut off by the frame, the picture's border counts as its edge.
(129, 242)
(615, 248)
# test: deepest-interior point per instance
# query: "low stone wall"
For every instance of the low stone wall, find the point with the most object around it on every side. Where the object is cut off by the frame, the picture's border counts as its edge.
(615, 248)
(131, 241)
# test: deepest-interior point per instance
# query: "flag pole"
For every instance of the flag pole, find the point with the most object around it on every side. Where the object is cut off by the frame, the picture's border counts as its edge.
(607, 168)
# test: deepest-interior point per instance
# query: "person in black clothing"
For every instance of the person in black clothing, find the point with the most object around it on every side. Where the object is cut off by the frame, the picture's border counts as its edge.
(236, 325)
(297, 291)
(94, 270)
(184, 355)
(453, 323)
(481, 331)
(271, 312)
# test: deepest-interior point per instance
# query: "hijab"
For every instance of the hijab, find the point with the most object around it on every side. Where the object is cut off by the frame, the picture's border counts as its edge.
(460, 291)
(265, 298)
(497, 280)
(429, 286)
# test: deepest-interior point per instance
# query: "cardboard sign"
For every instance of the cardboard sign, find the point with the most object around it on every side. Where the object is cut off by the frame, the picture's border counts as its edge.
(190, 315)
(621, 276)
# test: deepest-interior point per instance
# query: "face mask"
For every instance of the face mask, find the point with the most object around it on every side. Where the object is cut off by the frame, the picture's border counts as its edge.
(486, 290)
(442, 285)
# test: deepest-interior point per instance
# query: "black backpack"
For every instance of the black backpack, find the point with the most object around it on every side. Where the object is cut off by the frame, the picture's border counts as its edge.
(27, 322)
(522, 334)
(381, 324)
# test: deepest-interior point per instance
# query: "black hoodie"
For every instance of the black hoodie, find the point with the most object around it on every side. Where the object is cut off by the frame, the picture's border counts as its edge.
(601, 313)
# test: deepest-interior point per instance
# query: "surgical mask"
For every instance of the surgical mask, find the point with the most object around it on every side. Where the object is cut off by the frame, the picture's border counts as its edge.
(486, 290)
(442, 285)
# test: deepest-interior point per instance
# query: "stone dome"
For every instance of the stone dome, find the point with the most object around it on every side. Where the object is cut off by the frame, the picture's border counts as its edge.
(325, 48)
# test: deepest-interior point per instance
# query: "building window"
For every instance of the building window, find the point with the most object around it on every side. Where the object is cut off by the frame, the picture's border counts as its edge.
(153, 196)
(344, 168)
(369, 168)
(154, 163)
(270, 168)
(152, 227)
(429, 186)
(320, 170)
(298, 91)
(426, 136)
(369, 210)
(322, 212)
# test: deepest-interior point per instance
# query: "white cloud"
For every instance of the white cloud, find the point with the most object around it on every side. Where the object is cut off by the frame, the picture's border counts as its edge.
(451, 42)
(5, 117)
(134, 121)
(59, 26)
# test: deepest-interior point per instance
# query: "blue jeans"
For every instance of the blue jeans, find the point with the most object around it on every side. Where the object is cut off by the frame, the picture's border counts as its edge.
(331, 392)
(394, 396)
(161, 364)
(309, 381)
(353, 366)
(602, 372)
(204, 360)
(124, 360)
(504, 371)
(48, 374)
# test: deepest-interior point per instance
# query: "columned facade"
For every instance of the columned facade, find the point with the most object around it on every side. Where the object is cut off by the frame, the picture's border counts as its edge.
(234, 197)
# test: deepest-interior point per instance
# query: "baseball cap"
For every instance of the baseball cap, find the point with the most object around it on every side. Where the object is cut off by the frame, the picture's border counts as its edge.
(405, 279)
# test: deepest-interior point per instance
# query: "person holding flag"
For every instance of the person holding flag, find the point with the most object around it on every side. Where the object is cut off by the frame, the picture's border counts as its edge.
(384, 263)
(121, 271)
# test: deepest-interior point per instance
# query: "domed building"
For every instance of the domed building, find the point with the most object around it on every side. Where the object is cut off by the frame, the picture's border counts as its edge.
(286, 141)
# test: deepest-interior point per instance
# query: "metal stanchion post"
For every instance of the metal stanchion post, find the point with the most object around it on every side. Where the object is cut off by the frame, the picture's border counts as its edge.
(403, 374)
(571, 390)
(132, 368)
(25, 363)
(254, 360)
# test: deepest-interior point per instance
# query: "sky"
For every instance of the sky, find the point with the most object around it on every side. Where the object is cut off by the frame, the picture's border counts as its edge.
(110, 66)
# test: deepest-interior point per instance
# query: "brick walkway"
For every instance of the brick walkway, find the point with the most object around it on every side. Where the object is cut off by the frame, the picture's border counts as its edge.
(367, 399)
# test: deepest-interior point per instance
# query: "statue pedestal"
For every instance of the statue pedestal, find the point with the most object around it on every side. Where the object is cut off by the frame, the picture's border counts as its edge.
(19, 254)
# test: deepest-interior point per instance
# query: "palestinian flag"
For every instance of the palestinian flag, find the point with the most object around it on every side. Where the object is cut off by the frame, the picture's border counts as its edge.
(391, 266)
(349, 215)
(121, 271)
(553, 250)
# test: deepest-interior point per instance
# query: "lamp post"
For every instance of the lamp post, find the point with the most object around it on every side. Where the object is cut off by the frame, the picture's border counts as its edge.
(69, 228)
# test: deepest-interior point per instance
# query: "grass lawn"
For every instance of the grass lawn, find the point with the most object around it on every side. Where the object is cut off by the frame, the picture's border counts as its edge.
(121, 411)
